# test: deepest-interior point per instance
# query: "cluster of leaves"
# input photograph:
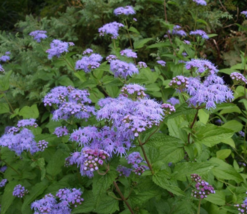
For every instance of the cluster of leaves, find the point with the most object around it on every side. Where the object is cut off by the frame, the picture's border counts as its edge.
(189, 141)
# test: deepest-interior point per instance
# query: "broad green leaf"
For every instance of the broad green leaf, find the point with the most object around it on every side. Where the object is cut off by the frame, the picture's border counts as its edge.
(239, 92)
(229, 141)
(4, 108)
(95, 95)
(4, 81)
(159, 45)
(29, 112)
(81, 75)
(134, 30)
(140, 43)
(202, 21)
(184, 169)
(107, 205)
(112, 91)
(8, 197)
(152, 87)
(218, 198)
(203, 116)
(233, 125)
(225, 171)
(182, 110)
(223, 154)
(150, 76)
(231, 110)
(87, 205)
(65, 81)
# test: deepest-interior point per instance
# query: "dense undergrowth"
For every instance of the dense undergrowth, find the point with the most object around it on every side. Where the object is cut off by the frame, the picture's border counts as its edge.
(125, 107)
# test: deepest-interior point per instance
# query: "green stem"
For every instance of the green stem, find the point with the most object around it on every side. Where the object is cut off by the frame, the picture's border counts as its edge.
(191, 126)
(8, 165)
(199, 206)
(151, 135)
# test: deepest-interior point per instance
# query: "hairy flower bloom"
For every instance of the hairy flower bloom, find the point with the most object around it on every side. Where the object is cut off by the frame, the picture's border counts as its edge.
(87, 51)
(133, 91)
(177, 31)
(201, 66)
(128, 10)
(61, 131)
(134, 19)
(57, 48)
(203, 189)
(241, 133)
(12, 130)
(70, 197)
(174, 101)
(244, 13)
(87, 63)
(179, 83)
(19, 191)
(162, 63)
(42, 145)
(3, 168)
(123, 69)
(136, 161)
(1, 69)
(4, 58)
(38, 35)
(187, 42)
(238, 78)
(200, 2)
(26, 123)
(199, 33)
(111, 57)
(128, 53)
(110, 28)
(142, 64)
(124, 171)
(3, 182)
(168, 108)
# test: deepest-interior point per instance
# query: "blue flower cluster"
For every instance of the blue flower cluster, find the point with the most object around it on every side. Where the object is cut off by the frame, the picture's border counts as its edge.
(87, 63)
(110, 28)
(199, 33)
(201, 66)
(127, 10)
(123, 69)
(57, 48)
(38, 35)
(19, 191)
(177, 31)
(200, 2)
(137, 162)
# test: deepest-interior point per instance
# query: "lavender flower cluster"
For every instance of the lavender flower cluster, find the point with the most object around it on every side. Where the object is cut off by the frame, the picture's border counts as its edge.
(111, 57)
(168, 108)
(242, 208)
(3, 182)
(61, 131)
(201, 66)
(4, 58)
(162, 63)
(38, 35)
(19, 191)
(179, 82)
(177, 31)
(124, 171)
(200, 33)
(87, 63)
(142, 64)
(110, 28)
(200, 2)
(238, 78)
(70, 102)
(127, 10)
(203, 189)
(133, 91)
(128, 53)
(244, 13)
(137, 162)
(174, 101)
(87, 51)
(123, 69)
(66, 198)
(26, 123)
(57, 48)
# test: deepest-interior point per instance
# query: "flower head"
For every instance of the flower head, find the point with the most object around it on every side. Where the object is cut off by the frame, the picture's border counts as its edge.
(38, 35)
(26, 123)
(128, 53)
(142, 65)
(174, 101)
(137, 162)
(168, 108)
(110, 28)
(1, 69)
(4, 58)
(3, 182)
(111, 57)
(42, 145)
(179, 82)
(128, 10)
(244, 13)
(123, 69)
(201, 66)
(199, 33)
(133, 91)
(238, 78)
(87, 51)
(177, 31)
(162, 63)
(124, 171)
(87, 63)
(57, 48)
(200, 2)
(61, 131)
(19, 191)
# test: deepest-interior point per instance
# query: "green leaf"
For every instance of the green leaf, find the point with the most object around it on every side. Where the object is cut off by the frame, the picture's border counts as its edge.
(41, 165)
(159, 45)
(56, 163)
(113, 91)
(81, 75)
(229, 142)
(225, 171)
(107, 205)
(134, 30)
(29, 112)
(8, 197)
(211, 135)
(4, 81)
(203, 22)
(184, 169)
(87, 205)
(223, 154)
(140, 43)
(152, 87)
(65, 81)
(203, 116)
(161, 180)
(218, 198)
(4, 108)
(233, 125)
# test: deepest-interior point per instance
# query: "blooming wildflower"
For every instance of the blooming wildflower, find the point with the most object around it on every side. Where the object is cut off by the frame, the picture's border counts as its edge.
(87, 63)
(70, 197)
(124, 171)
(4, 58)
(184, 54)
(128, 10)
(87, 51)
(244, 13)
(179, 82)
(219, 121)
(57, 48)
(177, 31)
(133, 91)
(1, 69)
(38, 35)
(201, 66)
(241, 133)
(243, 164)
(3, 182)
(3, 168)
(168, 108)
(61, 131)
(199, 33)
(142, 64)
(162, 63)
(174, 101)
(110, 58)
(128, 53)
(187, 42)
(136, 161)
(19, 191)
(134, 19)
(27, 122)
(12, 130)
(203, 189)
(200, 2)
(42, 145)
(110, 28)
(84, 136)
(238, 78)
(56, 96)
(123, 69)
(7, 53)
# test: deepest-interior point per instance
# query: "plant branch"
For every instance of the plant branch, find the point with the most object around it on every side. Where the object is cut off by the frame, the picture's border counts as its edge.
(193, 123)
(151, 135)
(11, 167)
(199, 206)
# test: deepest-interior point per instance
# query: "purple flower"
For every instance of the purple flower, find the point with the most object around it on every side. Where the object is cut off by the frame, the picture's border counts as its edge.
(7, 53)
(177, 31)
(20, 191)
(244, 13)
(219, 121)
(3, 182)
(61, 131)
(38, 35)
(42, 145)
(26, 123)
(87, 63)
(168, 108)
(57, 48)
(174, 101)
(11, 130)
(187, 42)
(124, 171)
(70, 197)
(123, 69)
(128, 10)
(241, 133)
(179, 82)
(201, 66)
(110, 28)
(57, 96)
(184, 54)
(133, 91)
(136, 161)
(3, 168)
(238, 78)
(1, 69)
(111, 57)
(84, 136)
(4, 58)
(87, 51)
(142, 64)
(200, 2)
(128, 53)
(134, 19)
(162, 63)
(199, 33)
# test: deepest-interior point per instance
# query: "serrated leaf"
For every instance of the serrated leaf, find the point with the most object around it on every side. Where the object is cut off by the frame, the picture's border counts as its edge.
(29, 112)
(107, 205)
(4, 81)
(4, 108)
(87, 205)
(218, 198)
(140, 43)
